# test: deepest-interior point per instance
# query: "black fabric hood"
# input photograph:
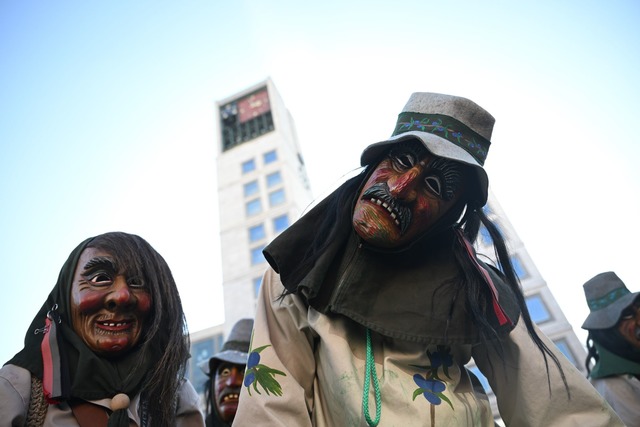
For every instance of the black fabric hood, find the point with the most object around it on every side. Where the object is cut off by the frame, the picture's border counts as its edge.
(413, 294)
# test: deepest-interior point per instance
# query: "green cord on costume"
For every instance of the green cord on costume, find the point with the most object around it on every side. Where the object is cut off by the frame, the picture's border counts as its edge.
(370, 371)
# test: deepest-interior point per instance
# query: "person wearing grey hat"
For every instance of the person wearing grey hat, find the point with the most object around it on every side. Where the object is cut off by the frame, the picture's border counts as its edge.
(225, 372)
(375, 299)
(613, 343)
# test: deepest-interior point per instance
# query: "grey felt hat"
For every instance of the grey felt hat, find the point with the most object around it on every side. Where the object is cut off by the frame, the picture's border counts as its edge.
(448, 126)
(606, 297)
(234, 350)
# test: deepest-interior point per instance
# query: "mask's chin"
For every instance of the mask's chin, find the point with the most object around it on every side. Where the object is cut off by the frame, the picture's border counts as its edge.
(446, 223)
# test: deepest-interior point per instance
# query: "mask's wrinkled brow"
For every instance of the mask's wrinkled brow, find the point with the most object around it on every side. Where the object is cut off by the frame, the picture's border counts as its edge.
(100, 262)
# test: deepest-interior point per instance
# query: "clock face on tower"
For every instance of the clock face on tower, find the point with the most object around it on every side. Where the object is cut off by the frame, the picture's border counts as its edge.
(246, 118)
(253, 106)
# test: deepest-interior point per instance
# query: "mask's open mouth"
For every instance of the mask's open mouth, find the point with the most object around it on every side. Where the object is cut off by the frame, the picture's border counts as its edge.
(230, 397)
(379, 194)
(114, 326)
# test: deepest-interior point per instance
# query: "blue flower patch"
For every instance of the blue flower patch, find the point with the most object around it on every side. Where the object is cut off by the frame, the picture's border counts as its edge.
(431, 386)
(261, 375)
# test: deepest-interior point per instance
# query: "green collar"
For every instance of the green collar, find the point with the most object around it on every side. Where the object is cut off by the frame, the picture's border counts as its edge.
(610, 364)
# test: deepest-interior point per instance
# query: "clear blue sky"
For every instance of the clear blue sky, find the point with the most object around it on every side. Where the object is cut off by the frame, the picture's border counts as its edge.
(107, 122)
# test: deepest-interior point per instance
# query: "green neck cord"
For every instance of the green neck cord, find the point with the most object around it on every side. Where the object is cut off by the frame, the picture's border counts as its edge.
(370, 371)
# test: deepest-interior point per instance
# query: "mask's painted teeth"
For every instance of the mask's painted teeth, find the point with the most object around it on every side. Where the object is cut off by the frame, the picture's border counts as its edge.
(230, 396)
(392, 212)
(113, 324)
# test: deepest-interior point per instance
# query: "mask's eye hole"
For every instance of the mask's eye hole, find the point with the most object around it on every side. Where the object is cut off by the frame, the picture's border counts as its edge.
(135, 282)
(434, 184)
(100, 279)
(403, 160)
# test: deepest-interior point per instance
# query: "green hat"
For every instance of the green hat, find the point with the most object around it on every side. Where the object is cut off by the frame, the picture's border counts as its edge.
(606, 296)
(449, 126)
(235, 350)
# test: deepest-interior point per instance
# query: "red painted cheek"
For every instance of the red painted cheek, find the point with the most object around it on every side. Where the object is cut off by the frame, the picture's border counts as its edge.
(90, 301)
(220, 384)
(144, 302)
(423, 207)
(379, 175)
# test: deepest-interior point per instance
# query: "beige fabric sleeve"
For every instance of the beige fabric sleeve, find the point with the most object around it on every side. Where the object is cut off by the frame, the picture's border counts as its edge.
(622, 393)
(15, 393)
(188, 413)
(525, 396)
(281, 326)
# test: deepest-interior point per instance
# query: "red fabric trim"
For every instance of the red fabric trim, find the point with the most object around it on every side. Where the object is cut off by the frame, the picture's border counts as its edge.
(497, 309)
(47, 362)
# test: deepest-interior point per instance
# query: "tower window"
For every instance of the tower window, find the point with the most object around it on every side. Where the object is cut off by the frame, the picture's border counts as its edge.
(270, 156)
(276, 197)
(274, 179)
(521, 272)
(253, 207)
(256, 233)
(280, 223)
(537, 309)
(250, 188)
(256, 255)
(248, 166)
(563, 346)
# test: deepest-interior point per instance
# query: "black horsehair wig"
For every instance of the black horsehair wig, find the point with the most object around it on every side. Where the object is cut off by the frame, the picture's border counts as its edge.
(165, 333)
(471, 284)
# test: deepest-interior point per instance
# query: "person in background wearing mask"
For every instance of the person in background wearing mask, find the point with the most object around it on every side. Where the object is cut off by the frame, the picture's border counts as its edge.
(613, 344)
(226, 372)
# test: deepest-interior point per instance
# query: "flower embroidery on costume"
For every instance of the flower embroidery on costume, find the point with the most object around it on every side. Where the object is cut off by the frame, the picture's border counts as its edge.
(430, 385)
(261, 375)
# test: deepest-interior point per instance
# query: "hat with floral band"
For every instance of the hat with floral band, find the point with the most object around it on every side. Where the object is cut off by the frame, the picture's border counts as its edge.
(448, 126)
(235, 349)
(607, 296)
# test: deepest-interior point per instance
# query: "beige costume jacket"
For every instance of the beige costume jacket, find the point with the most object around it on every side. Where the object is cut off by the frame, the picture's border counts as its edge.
(15, 395)
(623, 394)
(308, 369)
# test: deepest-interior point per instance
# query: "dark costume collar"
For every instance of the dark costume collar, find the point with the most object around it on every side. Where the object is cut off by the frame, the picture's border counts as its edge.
(88, 376)
(413, 294)
(213, 420)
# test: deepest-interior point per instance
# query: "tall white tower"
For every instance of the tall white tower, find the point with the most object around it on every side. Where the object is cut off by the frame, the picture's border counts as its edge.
(262, 189)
